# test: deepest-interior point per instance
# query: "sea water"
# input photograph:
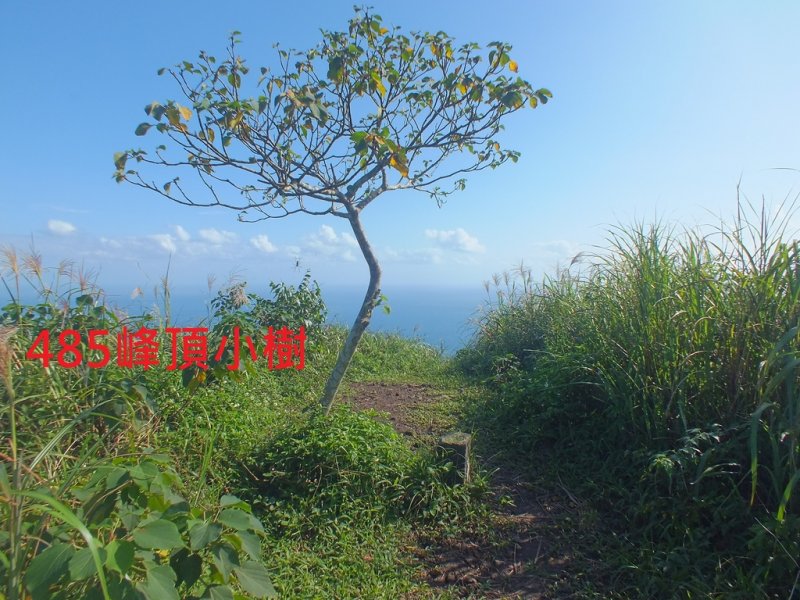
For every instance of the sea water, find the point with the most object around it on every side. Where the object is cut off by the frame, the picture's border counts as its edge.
(443, 317)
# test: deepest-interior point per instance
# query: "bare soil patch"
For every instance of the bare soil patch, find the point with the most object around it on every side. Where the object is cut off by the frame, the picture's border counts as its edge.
(527, 555)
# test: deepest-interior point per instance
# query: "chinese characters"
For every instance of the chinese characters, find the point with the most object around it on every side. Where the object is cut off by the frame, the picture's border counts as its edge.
(188, 347)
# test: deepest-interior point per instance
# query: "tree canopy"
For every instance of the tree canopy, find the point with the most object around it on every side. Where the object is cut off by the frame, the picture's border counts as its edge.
(328, 130)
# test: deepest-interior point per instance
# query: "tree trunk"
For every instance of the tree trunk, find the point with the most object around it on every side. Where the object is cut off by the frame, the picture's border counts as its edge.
(371, 299)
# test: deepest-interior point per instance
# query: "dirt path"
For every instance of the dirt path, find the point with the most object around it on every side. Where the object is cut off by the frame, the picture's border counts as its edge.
(528, 555)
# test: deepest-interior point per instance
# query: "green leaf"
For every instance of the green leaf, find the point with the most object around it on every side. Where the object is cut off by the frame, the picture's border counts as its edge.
(250, 543)
(58, 509)
(173, 116)
(336, 69)
(225, 559)
(48, 567)
(230, 500)
(235, 518)
(116, 477)
(155, 110)
(81, 565)
(202, 534)
(160, 584)
(188, 567)
(254, 579)
(383, 302)
(218, 592)
(120, 158)
(120, 555)
(160, 534)
(142, 128)
(514, 100)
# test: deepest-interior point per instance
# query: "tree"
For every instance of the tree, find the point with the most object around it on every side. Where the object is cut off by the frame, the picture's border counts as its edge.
(365, 112)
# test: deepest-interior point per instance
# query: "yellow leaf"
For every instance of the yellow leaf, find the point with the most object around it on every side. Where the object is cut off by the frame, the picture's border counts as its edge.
(384, 31)
(435, 50)
(399, 165)
(497, 146)
(210, 135)
(462, 88)
(235, 120)
(185, 112)
(376, 78)
(512, 64)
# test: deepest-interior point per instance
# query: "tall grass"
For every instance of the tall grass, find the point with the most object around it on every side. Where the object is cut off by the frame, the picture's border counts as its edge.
(669, 367)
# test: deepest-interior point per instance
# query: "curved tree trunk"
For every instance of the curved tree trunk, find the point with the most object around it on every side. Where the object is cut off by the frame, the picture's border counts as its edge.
(371, 299)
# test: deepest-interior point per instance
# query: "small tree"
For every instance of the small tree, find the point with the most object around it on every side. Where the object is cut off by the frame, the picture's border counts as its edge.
(366, 111)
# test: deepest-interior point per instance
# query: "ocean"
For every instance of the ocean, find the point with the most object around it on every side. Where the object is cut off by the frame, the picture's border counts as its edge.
(442, 317)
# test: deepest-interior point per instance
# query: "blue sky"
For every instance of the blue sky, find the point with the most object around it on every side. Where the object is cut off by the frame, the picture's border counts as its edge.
(659, 110)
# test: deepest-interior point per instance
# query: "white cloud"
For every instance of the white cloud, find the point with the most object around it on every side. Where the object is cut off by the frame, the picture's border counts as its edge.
(262, 243)
(326, 242)
(215, 236)
(328, 236)
(455, 239)
(60, 227)
(182, 234)
(165, 241)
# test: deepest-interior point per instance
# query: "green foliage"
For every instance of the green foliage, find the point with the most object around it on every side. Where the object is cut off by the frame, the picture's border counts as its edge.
(361, 113)
(234, 309)
(349, 466)
(81, 515)
(668, 370)
(141, 535)
(325, 464)
(290, 306)
(162, 523)
(391, 357)
(99, 402)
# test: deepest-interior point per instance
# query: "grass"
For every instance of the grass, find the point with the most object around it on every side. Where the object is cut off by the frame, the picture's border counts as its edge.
(661, 380)
(651, 388)
(337, 498)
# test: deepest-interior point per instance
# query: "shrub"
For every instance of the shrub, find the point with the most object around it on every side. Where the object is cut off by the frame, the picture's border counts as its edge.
(349, 466)
(131, 532)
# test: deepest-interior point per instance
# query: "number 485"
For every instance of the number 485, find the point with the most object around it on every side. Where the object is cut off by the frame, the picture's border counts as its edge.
(69, 354)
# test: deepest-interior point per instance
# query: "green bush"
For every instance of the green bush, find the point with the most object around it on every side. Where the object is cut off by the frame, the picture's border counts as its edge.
(349, 466)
